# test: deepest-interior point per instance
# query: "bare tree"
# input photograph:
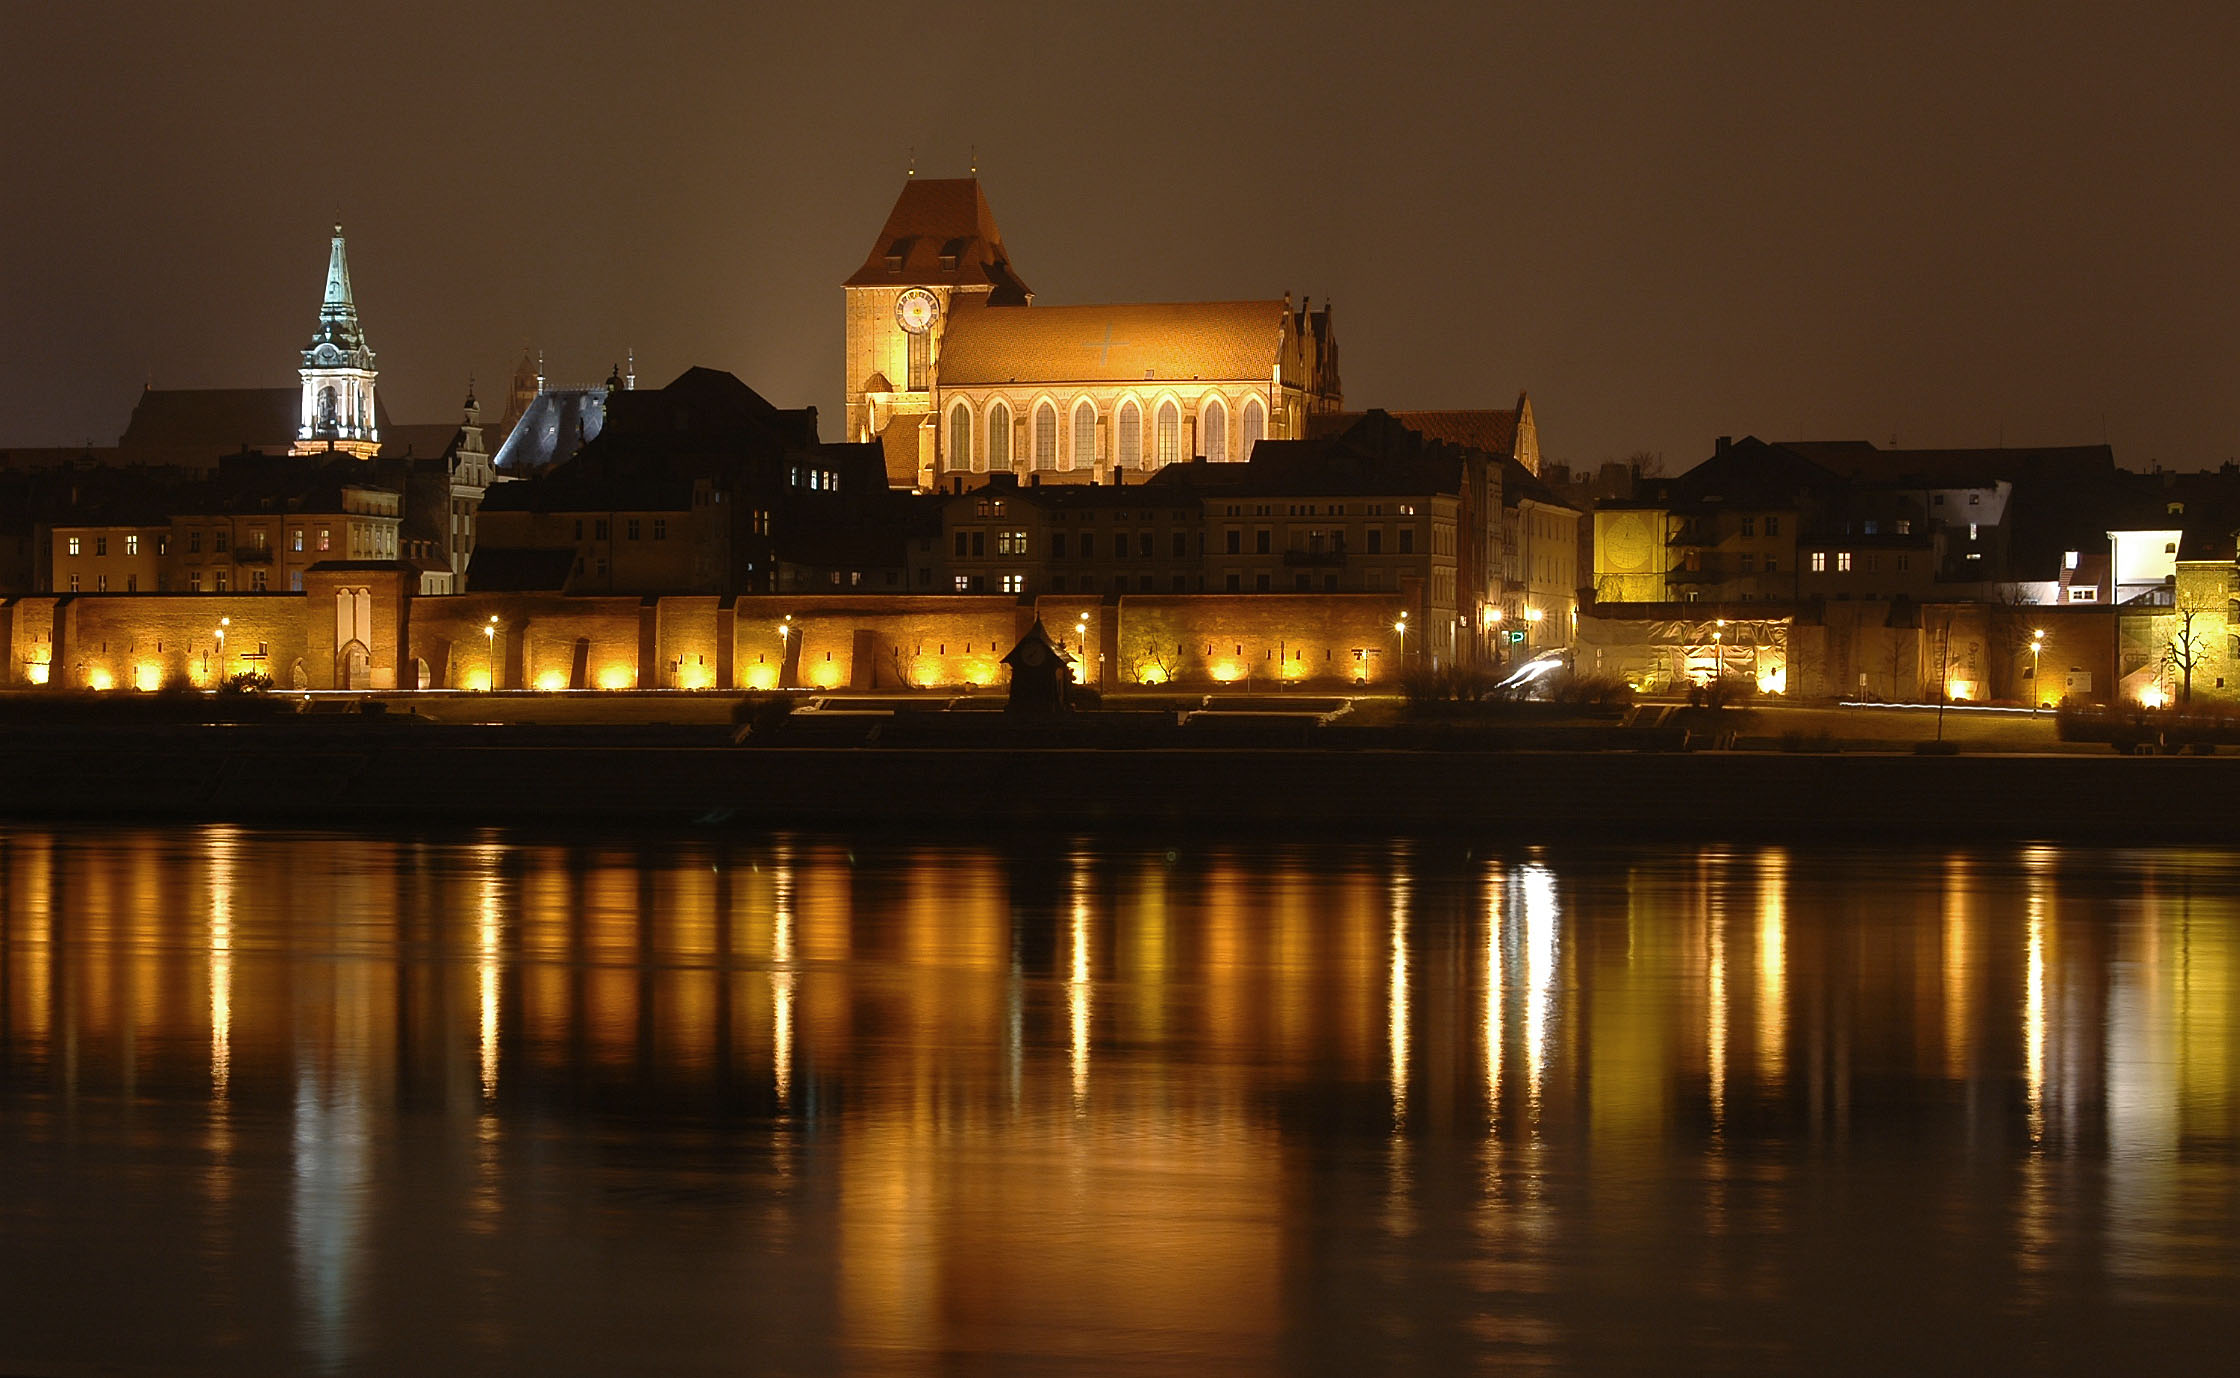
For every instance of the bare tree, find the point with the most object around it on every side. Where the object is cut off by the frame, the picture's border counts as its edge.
(2186, 649)
(2009, 621)
(1155, 656)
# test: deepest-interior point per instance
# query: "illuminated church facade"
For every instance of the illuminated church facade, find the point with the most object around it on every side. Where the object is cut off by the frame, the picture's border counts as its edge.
(957, 375)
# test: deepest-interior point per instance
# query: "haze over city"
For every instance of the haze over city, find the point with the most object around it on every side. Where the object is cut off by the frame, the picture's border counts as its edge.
(2008, 224)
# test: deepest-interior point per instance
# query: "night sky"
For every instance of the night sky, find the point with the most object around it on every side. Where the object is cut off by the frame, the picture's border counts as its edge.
(1950, 225)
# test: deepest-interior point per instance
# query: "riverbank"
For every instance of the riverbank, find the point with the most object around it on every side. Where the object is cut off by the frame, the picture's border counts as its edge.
(386, 770)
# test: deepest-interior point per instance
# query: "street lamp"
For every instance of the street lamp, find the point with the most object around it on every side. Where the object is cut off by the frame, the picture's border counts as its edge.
(490, 636)
(1401, 629)
(2037, 685)
(223, 623)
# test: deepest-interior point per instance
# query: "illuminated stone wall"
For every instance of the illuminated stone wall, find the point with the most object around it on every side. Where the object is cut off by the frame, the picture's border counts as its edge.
(553, 642)
(540, 641)
(1260, 640)
(149, 641)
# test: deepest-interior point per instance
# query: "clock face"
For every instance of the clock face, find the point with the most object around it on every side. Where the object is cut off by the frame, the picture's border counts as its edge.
(916, 310)
(1628, 543)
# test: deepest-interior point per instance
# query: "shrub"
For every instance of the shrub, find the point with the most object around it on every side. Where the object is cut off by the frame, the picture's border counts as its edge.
(247, 682)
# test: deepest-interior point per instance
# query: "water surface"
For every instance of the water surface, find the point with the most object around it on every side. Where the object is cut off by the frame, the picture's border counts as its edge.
(511, 1102)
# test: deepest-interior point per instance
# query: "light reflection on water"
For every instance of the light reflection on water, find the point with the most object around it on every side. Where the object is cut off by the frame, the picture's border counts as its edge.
(319, 1103)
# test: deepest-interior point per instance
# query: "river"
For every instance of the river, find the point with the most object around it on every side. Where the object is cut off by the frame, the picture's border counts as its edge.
(519, 1101)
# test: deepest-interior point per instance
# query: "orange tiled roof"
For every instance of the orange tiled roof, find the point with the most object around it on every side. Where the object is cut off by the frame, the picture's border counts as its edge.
(1163, 341)
(941, 233)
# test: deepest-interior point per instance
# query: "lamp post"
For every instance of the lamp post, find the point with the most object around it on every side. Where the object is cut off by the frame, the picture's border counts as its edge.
(1532, 617)
(490, 637)
(1493, 632)
(223, 623)
(2037, 685)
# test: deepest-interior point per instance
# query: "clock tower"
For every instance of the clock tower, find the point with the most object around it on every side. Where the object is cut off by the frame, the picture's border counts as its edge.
(939, 252)
(338, 373)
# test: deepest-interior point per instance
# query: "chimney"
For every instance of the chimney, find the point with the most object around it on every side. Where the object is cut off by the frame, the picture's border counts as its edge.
(1726, 443)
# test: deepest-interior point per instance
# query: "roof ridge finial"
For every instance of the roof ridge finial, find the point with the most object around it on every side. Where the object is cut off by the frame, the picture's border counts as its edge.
(912, 169)
(975, 159)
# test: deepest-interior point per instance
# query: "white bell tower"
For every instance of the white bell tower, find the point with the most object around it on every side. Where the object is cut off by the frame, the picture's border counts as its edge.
(338, 373)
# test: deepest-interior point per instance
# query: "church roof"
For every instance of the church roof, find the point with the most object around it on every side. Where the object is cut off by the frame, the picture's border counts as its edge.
(557, 423)
(898, 443)
(338, 339)
(1224, 341)
(215, 419)
(941, 233)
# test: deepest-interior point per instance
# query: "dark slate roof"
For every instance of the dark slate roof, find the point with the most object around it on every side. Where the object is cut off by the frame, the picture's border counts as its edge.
(428, 441)
(503, 569)
(1862, 461)
(1376, 457)
(214, 419)
(941, 233)
(556, 425)
(1494, 432)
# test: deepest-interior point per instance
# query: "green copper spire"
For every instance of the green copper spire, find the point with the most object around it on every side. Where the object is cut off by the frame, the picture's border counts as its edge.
(338, 342)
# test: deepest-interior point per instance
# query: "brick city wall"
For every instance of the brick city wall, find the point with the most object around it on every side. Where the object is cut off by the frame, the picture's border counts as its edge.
(547, 641)
(149, 641)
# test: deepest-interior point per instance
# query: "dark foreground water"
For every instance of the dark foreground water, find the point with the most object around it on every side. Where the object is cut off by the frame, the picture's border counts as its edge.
(276, 1102)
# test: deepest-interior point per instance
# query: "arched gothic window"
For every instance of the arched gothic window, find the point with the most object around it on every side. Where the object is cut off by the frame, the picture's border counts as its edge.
(1130, 448)
(960, 437)
(1169, 433)
(999, 438)
(1213, 430)
(1045, 437)
(1255, 426)
(1084, 434)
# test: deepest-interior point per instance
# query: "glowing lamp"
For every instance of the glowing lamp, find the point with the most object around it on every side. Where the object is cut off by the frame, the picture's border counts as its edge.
(1535, 614)
(762, 677)
(98, 678)
(36, 672)
(147, 677)
(551, 680)
(2151, 696)
(1228, 672)
(617, 677)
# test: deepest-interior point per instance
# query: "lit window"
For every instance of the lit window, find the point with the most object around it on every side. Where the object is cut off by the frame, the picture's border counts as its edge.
(1169, 433)
(1213, 430)
(1255, 426)
(73, 583)
(1130, 454)
(132, 545)
(1014, 583)
(960, 438)
(1084, 436)
(999, 437)
(73, 545)
(323, 540)
(1045, 436)
(1843, 562)
(1819, 562)
(295, 539)
(1972, 530)
(963, 582)
(2069, 559)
